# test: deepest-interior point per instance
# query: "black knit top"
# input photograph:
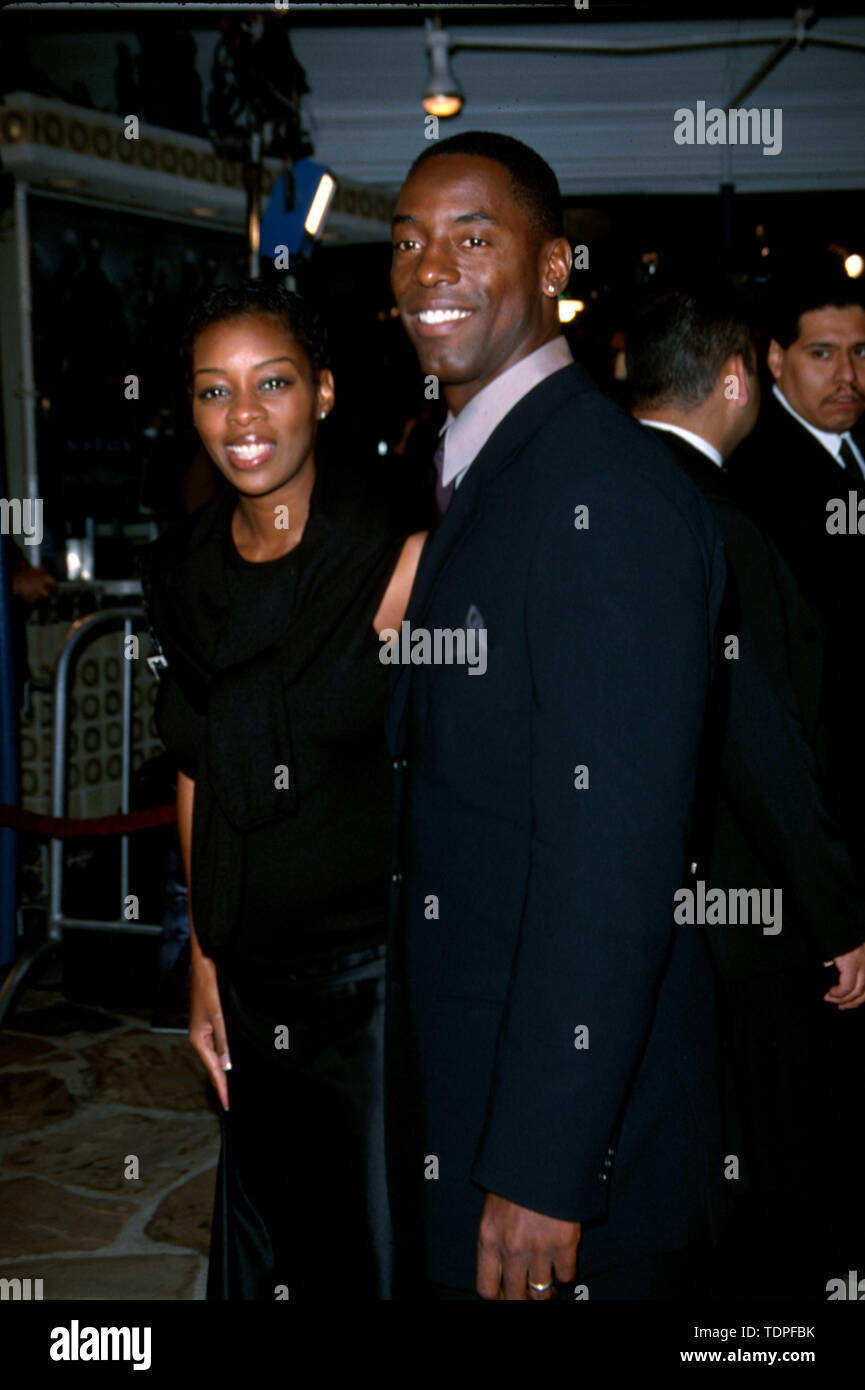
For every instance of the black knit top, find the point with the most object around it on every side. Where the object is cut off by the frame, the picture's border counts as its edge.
(273, 700)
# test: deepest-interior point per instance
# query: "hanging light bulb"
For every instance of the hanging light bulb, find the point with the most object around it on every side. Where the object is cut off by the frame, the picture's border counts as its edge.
(442, 95)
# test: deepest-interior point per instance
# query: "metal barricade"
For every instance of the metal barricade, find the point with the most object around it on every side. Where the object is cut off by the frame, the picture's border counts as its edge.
(80, 635)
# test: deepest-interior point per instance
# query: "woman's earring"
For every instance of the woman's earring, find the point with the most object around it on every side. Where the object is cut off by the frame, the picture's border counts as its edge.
(322, 414)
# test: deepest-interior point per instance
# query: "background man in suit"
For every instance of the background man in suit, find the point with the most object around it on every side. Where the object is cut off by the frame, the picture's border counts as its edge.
(800, 457)
(553, 1068)
(692, 373)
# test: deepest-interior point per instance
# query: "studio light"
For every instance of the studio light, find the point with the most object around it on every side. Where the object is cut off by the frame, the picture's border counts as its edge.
(320, 207)
(442, 95)
(314, 189)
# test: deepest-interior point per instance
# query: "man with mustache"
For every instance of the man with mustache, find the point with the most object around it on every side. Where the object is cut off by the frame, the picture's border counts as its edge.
(800, 458)
(553, 1077)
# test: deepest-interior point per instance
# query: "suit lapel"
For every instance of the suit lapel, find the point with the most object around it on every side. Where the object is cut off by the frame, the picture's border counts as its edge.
(510, 436)
(455, 526)
(819, 469)
(507, 440)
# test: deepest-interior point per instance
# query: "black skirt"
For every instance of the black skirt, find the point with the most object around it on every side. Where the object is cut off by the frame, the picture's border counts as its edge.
(301, 1204)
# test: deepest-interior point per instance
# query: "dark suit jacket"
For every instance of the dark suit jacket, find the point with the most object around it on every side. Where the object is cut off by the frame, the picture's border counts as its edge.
(787, 478)
(768, 826)
(525, 909)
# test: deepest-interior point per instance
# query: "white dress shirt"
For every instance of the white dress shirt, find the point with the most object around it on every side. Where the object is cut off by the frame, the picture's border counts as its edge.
(696, 440)
(827, 438)
(468, 432)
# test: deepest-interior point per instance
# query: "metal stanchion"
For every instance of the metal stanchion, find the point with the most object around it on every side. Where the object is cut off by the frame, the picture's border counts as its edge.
(80, 635)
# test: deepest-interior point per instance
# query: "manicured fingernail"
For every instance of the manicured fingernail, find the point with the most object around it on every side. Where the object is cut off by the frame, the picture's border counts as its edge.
(226, 1062)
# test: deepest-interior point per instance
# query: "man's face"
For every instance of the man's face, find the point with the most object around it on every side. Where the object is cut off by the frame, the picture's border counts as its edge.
(822, 373)
(463, 247)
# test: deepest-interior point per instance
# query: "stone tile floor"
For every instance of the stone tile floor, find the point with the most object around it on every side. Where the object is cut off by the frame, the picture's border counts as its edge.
(89, 1097)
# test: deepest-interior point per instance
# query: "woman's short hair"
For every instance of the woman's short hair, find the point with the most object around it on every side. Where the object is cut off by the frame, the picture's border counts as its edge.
(252, 298)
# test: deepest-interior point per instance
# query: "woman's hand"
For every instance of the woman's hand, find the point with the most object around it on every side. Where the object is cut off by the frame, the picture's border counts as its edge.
(207, 1025)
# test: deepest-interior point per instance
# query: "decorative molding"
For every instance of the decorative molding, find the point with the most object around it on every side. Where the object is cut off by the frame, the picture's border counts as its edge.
(56, 147)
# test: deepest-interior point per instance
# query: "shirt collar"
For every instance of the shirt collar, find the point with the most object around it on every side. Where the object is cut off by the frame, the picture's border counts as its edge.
(827, 438)
(696, 440)
(468, 432)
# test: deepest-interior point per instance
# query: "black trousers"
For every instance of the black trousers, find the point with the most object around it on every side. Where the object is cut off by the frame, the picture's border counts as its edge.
(301, 1198)
(798, 1065)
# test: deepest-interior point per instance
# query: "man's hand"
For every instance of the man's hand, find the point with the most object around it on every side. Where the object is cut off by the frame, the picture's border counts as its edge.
(849, 992)
(517, 1246)
(32, 582)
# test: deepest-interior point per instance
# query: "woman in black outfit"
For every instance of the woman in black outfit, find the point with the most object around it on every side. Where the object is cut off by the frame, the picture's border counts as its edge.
(267, 604)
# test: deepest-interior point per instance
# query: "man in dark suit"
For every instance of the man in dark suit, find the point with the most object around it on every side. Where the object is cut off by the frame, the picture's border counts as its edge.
(797, 471)
(692, 373)
(553, 1070)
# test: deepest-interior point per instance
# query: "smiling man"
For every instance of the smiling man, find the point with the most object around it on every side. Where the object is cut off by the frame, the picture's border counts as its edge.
(552, 1064)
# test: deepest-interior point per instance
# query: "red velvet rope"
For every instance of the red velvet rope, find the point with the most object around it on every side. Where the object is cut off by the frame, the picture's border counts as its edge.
(68, 828)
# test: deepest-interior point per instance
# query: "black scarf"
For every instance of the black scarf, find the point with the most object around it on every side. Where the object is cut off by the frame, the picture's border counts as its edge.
(346, 549)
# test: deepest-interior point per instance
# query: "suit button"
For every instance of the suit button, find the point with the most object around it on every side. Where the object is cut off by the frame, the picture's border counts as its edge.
(603, 1177)
(400, 764)
(396, 878)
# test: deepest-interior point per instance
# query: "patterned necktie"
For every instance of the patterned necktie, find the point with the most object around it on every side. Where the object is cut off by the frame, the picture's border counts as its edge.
(850, 461)
(443, 494)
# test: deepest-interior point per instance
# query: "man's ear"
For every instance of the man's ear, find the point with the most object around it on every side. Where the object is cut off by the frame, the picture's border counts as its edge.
(742, 392)
(775, 359)
(556, 266)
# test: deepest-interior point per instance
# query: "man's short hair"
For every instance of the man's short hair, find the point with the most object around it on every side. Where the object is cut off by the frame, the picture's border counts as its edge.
(828, 288)
(677, 344)
(534, 185)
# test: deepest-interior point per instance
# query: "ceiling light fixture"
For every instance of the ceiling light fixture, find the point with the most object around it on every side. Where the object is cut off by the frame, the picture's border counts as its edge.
(442, 95)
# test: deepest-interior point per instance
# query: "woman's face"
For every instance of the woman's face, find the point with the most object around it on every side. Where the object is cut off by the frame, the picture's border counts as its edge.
(255, 402)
